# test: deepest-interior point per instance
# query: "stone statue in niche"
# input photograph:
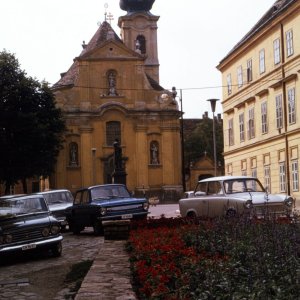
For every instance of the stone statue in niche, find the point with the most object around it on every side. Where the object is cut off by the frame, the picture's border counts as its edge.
(112, 84)
(154, 153)
(73, 154)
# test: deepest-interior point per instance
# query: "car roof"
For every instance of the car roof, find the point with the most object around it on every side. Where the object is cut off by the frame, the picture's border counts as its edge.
(228, 177)
(24, 197)
(53, 191)
(11, 196)
(100, 185)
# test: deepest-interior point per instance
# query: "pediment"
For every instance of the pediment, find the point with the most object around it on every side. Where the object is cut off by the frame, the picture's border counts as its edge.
(111, 50)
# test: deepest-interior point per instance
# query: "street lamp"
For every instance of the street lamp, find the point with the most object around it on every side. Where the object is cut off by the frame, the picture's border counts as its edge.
(174, 94)
(213, 108)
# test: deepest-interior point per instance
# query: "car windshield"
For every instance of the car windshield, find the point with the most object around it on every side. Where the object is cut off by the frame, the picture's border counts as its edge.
(14, 207)
(58, 197)
(107, 192)
(242, 185)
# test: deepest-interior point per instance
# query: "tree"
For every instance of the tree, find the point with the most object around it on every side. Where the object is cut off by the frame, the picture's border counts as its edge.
(200, 141)
(31, 127)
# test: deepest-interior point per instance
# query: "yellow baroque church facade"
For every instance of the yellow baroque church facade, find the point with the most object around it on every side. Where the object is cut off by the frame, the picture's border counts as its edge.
(261, 101)
(112, 93)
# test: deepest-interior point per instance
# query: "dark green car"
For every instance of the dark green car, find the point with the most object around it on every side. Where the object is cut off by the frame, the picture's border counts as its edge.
(26, 224)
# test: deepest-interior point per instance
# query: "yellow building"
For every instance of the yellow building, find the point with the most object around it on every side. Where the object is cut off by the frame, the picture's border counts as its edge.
(112, 92)
(261, 101)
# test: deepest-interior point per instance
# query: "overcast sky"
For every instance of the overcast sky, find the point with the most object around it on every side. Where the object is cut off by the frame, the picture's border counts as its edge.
(193, 37)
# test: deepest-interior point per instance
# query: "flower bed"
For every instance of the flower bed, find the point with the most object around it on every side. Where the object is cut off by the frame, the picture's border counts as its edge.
(215, 259)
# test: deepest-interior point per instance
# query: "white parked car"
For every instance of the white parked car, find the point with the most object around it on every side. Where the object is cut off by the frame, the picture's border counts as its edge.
(234, 195)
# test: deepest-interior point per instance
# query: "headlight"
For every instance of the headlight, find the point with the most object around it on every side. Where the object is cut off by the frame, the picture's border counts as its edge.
(145, 205)
(55, 229)
(289, 201)
(103, 211)
(45, 231)
(248, 204)
(8, 238)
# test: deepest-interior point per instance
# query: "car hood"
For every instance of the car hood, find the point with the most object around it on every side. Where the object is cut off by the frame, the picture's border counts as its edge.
(260, 197)
(119, 201)
(59, 206)
(24, 221)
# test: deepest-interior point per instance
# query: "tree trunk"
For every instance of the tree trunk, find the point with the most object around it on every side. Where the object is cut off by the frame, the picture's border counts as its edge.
(24, 184)
(7, 188)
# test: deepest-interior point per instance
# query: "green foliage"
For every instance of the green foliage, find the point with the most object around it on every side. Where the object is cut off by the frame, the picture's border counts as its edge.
(31, 127)
(201, 141)
(216, 259)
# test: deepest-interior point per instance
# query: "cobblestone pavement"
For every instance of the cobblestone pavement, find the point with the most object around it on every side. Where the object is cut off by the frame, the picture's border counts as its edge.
(109, 277)
(39, 277)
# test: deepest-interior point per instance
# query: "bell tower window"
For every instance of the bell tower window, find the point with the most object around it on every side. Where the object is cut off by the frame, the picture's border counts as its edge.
(140, 44)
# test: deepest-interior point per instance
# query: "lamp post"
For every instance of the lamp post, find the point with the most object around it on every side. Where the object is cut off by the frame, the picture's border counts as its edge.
(213, 108)
(174, 94)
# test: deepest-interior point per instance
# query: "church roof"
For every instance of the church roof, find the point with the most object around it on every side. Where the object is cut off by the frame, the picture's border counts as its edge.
(154, 84)
(277, 8)
(103, 34)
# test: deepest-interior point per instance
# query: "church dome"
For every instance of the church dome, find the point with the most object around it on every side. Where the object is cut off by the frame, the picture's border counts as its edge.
(136, 5)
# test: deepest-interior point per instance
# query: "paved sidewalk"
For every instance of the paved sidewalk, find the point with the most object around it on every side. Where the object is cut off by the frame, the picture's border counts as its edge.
(109, 276)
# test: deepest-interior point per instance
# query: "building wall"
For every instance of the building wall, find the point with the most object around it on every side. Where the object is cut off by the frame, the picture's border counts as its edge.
(271, 145)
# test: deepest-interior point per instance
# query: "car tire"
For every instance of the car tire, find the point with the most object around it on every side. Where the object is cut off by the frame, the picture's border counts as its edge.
(191, 215)
(57, 249)
(98, 228)
(76, 229)
(230, 213)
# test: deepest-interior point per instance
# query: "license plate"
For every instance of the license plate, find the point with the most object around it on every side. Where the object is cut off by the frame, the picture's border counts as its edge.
(129, 216)
(29, 246)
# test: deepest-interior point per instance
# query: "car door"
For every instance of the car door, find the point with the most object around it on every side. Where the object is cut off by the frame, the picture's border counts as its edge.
(215, 205)
(80, 211)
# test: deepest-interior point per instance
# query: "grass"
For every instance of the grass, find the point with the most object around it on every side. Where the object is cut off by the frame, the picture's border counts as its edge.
(77, 273)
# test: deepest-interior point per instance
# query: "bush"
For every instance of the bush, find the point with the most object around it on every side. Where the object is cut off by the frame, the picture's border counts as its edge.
(215, 259)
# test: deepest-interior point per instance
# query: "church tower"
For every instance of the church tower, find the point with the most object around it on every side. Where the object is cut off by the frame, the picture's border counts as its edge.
(139, 32)
(111, 93)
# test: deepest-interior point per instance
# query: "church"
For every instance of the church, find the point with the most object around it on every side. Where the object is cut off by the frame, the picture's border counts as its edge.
(111, 94)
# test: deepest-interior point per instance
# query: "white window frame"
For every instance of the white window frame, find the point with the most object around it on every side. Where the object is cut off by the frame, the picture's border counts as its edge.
(249, 70)
(282, 177)
(289, 43)
(230, 132)
(279, 114)
(291, 106)
(242, 127)
(295, 175)
(240, 76)
(251, 129)
(264, 117)
(229, 84)
(262, 65)
(267, 178)
(276, 46)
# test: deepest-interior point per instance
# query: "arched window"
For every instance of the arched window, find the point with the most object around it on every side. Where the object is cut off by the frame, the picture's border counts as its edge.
(73, 154)
(140, 44)
(113, 132)
(154, 153)
(112, 83)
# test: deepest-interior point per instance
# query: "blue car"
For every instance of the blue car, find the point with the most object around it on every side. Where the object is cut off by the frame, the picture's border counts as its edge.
(99, 203)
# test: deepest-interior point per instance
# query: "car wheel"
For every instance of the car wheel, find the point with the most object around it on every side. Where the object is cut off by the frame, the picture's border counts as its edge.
(57, 250)
(98, 228)
(75, 228)
(230, 213)
(191, 215)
